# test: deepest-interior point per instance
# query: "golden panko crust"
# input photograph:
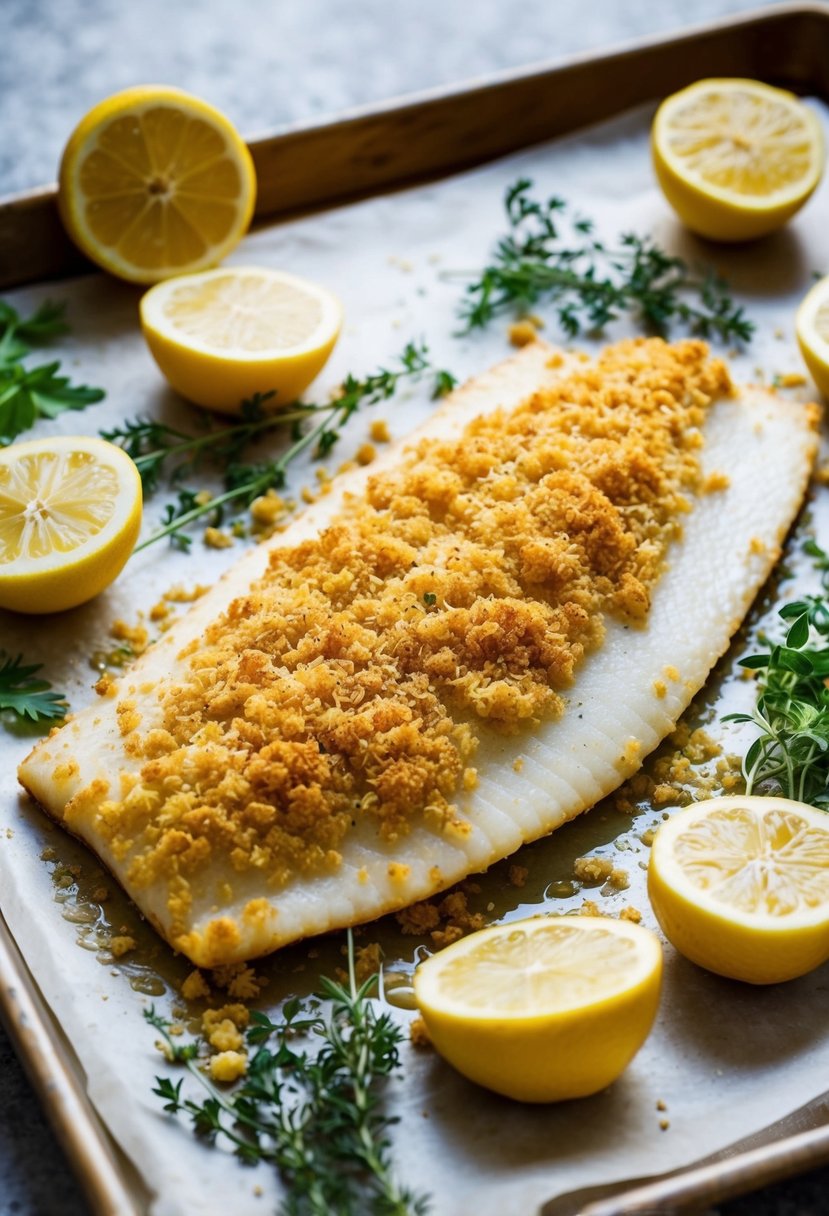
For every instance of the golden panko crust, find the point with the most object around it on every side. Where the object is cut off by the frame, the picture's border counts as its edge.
(458, 595)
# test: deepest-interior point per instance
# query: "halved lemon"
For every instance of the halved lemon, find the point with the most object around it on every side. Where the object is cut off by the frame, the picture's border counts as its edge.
(70, 512)
(155, 182)
(736, 158)
(741, 886)
(812, 327)
(544, 1009)
(223, 335)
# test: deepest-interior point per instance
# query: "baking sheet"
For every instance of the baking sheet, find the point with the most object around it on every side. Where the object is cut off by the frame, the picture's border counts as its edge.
(725, 1060)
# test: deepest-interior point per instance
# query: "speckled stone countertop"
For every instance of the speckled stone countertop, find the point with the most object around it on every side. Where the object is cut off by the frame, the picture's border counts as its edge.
(266, 63)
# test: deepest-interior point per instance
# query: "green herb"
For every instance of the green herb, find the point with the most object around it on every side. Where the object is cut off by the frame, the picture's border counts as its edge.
(153, 445)
(27, 394)
(26, 696)
(791, 751)
(550, 256)
(316, 1115)
(429, 598)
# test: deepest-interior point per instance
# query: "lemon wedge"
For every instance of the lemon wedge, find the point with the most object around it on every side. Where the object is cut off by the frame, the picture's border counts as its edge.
(70, 512)
(812, 327)
(736, 158)
(223, 335)
(155, 182)
(741, 886)
(545, 1009)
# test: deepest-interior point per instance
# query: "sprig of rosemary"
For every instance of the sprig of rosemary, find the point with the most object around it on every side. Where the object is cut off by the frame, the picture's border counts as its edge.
(550, 256)
(27, 394)
(316, 1115)
(24, 694)
(791, 751)
(155, 446)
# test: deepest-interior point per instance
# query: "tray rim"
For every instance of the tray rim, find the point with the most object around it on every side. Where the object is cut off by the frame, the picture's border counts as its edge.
(100, 1168)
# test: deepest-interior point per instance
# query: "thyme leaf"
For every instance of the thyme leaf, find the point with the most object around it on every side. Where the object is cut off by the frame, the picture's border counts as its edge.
(158, 449)
(315, 1114)
(552, 256)
(790, 753)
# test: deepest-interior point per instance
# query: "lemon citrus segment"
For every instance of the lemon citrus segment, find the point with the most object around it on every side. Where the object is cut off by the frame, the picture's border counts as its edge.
(812, 327)
(223, 335)
(155, 182)
(545, 1009)
(741, 886)
(736, 158)
(70, 512)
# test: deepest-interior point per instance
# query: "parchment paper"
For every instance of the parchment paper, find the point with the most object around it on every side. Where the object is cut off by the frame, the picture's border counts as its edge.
(725, 1059)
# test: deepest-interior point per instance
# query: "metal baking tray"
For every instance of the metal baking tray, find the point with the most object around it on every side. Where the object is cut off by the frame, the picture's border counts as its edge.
(370, 151)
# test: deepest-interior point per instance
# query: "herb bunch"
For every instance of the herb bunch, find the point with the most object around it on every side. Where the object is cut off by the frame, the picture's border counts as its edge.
(551, 256)
(791, 751)
(157, 448)
(316, 1115)
(29, 393)
(24, 694)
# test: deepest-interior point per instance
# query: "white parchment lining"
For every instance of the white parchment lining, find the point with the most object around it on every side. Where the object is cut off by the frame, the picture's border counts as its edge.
(725, 1059)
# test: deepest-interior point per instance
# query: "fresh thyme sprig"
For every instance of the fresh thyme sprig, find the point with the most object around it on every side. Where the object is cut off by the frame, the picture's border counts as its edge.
(550, 256)
(791, 751)
(29, 393)
(151, 444)
(24, 694)
(316, 1115)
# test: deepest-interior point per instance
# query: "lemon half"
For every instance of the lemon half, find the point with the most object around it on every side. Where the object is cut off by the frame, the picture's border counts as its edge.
(155, 182)
(741, 886)
(70, 513)
(545, 1009)
(223, 335)
(736, 158)
(812, 327)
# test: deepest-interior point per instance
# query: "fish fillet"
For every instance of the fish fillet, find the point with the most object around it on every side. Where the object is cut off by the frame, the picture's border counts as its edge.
(626, 696)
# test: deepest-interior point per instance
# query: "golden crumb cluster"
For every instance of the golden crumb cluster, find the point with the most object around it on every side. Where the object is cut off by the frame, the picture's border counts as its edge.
(457, 595)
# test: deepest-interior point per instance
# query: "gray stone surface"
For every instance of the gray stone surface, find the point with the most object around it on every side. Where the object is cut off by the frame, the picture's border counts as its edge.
(266, 63)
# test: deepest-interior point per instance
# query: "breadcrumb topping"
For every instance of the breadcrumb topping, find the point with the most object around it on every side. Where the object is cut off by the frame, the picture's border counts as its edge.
(459, 594)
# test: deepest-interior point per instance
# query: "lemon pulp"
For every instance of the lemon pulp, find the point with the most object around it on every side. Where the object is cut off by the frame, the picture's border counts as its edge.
(741, 886)
(736, 158)
(545, 1009)
(224, 335)
(155, 182)
(70, 511)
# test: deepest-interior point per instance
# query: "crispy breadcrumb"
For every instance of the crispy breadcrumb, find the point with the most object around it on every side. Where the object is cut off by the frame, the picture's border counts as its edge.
(462, 590)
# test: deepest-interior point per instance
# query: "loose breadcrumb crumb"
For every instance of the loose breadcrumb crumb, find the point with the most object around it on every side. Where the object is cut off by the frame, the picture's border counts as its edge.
(419, 1035)
(366, 452)
(379, 431)
(195, 987)
(228, 1066)
(592, 869)
(521, 333)
(518, 875)
(121, 944)
(215, 538)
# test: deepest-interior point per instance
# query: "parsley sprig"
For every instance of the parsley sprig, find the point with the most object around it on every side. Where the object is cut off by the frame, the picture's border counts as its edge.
(315, 1114)
(29, 393)
(549, 255)
(791, 751)
(156, 447)
(26, 695)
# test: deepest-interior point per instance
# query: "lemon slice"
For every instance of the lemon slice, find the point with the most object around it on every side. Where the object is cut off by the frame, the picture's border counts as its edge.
(70, 512)
(741, 886)
(812, 327)
(543, 1009)
(736, 158)
(223, 335)
(155, 182)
